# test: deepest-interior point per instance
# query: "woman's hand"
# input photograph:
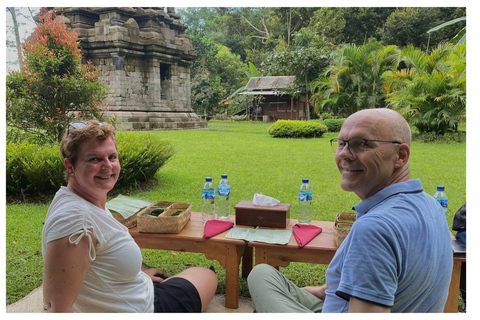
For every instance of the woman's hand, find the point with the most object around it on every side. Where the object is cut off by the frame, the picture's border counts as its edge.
(155, 274)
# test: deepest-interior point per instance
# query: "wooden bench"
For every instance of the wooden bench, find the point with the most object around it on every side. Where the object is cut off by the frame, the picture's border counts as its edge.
(321, 251)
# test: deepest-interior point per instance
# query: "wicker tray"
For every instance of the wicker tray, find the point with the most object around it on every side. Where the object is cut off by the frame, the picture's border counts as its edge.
(165, 222)
(129, 222)
(343, 223)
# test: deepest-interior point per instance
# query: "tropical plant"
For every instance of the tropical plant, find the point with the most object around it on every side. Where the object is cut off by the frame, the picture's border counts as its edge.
(54, 87)
(354, 79)
(431, 91)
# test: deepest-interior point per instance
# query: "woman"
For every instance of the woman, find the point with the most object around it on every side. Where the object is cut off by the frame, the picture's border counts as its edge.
(91, 263)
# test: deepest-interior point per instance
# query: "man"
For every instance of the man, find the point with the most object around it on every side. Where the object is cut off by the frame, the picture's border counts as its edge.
(397, 256)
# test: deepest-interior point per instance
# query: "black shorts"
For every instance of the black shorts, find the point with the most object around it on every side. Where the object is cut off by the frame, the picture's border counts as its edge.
(176, 295)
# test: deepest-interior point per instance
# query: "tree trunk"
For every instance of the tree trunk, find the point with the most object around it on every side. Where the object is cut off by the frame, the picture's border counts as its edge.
(17, 36)
(307, 103)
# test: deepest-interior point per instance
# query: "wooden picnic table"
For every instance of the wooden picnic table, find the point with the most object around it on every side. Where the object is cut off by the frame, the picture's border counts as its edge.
(227, 252)
(321, 251)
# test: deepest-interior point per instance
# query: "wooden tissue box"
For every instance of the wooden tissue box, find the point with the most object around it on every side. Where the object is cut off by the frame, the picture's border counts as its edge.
(247, 214)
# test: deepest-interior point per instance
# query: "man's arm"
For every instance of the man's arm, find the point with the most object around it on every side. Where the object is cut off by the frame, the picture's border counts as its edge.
(361, 306)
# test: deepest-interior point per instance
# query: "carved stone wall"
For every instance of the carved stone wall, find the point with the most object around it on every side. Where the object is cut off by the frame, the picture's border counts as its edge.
(144, 56)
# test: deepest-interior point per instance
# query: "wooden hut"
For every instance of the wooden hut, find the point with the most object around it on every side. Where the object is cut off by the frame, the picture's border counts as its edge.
(271, 100)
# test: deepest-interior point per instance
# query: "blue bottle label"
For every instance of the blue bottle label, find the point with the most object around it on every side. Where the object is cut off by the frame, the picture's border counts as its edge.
(302, 196)
(443, 203)
(223, 190)
(208, 194)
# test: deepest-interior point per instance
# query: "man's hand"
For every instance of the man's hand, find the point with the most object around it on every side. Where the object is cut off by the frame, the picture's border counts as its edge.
(318, 291)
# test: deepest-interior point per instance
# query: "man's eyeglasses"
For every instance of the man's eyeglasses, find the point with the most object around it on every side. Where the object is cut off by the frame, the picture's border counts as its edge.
(79, 125)
(356, 145)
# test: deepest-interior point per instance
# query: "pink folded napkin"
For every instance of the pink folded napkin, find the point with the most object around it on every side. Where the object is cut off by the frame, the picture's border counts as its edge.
(214, 227)
(304, 233)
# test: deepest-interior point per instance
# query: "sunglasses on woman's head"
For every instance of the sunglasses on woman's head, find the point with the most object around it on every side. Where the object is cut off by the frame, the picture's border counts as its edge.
(79, 125)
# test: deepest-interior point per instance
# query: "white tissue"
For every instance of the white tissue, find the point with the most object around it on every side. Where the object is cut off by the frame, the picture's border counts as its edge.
(261, 200)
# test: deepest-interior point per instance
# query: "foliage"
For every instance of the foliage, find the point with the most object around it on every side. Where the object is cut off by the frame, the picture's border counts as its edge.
(431, 92)
(34, 170)
(334, 125)
(354, 79)
(238, 118)
(364, 23)
(300, 41)
(409, 26)
(297, 129)
(303, 60)
(54, 87)
(461, 36)
(229, 67)
(207, 93)
(141, 157)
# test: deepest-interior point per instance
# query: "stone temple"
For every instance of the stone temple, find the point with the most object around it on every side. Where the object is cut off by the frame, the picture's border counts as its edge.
(144, 56)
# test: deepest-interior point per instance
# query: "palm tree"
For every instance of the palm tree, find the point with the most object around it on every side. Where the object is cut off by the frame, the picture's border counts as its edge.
(431, 91)
(354, 79)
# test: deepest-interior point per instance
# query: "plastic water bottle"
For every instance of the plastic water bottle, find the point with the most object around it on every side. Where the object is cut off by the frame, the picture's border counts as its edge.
(305, 203)
(223, 199)
(441, 197)
(208, 200)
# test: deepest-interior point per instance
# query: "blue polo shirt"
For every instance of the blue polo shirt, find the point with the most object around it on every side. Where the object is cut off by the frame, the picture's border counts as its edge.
(397, 254)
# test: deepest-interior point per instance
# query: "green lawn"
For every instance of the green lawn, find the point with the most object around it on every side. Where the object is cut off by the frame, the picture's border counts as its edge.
(254, 162)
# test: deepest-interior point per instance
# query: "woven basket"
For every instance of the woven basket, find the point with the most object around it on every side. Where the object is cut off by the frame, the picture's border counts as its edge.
(164, 223)
(129, 222)
(343, 223)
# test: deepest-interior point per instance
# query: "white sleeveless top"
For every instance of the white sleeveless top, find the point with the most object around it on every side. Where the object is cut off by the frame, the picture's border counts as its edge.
(114, 281)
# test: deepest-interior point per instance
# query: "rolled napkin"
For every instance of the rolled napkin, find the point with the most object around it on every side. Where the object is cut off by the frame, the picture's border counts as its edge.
(304, 233)
(261, 200)
(214, 227)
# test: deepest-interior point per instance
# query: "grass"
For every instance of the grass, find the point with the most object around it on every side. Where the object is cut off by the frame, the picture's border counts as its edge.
(254, 162)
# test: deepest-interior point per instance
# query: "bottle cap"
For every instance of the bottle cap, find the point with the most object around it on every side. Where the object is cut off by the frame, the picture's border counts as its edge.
(224, 176)
(208, 179)
(304, 180)
(440, 188)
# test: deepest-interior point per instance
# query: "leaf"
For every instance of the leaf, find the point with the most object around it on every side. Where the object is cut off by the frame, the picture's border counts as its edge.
(447, 24)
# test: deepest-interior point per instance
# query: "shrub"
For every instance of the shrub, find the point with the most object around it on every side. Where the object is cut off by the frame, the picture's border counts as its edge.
(238, 118)
(33, 169)
(37, 170)
(141, 156)
(333, 125)
(448, 137)
(296, 129)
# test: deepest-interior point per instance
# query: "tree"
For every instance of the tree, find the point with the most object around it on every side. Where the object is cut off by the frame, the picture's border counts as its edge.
(409, 26)
(354, 80)
(17, 34)
(431, 91)
(207, 93)
(363, 23)
(20, 26)
(54, 87)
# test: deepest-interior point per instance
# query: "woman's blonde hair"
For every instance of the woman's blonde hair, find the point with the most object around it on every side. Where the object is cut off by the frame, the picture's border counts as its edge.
(76, 134)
